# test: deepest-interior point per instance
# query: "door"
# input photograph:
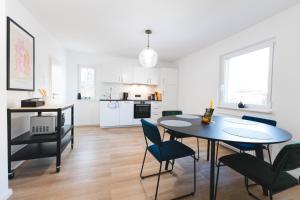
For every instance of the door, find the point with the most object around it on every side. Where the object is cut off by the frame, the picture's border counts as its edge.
(109, 113)
(126, 113)
(57, 82)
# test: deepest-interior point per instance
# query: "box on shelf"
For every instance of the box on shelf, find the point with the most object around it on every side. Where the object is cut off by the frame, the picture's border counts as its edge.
(45, 124)
(42, 124)
(35, 102)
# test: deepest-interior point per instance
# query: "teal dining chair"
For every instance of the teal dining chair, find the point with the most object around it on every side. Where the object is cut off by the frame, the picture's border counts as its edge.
(243, 147)
(273, 177)
(176, 134)
(164, 151)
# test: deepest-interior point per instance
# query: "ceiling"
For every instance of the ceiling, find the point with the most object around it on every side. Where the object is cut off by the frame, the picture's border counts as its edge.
(116, 27)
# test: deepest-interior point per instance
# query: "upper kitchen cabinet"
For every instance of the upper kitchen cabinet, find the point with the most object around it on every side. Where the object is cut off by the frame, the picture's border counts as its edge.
(146, 76)
(117, 74)
(127, 74)
(140, 75)
(153, 75)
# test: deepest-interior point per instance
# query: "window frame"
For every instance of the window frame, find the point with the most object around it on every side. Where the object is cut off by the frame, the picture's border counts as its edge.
(79, 81)
(222, 84)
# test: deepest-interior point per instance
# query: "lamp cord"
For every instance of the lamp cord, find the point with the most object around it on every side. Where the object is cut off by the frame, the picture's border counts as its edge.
(148, 40)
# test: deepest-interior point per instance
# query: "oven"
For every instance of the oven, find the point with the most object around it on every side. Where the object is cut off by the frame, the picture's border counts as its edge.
(142, 109)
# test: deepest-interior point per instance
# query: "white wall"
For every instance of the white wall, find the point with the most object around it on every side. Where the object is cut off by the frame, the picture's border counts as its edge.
(199, 72)
(46, 47)
(87, 112)
(4, 191)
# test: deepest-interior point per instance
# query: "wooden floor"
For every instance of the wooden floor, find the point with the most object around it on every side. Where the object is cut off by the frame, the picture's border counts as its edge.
(105, 164)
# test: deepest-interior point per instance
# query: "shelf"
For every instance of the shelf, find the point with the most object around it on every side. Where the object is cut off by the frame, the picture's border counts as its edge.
(28, 138)
(45, 108)
(40, 150)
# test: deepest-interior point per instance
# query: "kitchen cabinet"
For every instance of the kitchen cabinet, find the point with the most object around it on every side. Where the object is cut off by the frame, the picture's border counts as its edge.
(117, 74)
(169, 97)
(153, 76)
(146, 76)
(126, 74)
(126, 113)
(109, 113)
(140, 75)
(116, 113)
(168, 85)
(156, 110)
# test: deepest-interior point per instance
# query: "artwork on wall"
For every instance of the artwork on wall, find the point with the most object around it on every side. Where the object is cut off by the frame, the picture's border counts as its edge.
(20, 58)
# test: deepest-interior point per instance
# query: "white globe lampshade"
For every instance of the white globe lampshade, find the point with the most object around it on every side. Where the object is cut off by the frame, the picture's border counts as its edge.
(148, 57)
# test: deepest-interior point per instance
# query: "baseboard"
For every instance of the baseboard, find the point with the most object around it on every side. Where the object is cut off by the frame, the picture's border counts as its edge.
(6, 194)
(86, 125)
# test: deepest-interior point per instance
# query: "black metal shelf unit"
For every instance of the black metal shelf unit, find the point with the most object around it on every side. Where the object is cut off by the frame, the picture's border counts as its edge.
(40, 146)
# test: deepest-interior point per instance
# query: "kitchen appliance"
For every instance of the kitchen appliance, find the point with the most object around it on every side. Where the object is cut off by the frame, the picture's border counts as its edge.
(125, 96)
(40, 125)
(45, 124)
(142, 109)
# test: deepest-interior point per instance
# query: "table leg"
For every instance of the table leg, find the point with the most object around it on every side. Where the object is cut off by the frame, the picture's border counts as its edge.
(260, 155)
(172, 137)
(208, 150)
(212, 170)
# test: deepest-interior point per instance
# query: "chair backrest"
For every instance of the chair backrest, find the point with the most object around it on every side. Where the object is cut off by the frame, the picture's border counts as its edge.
(288, 158)
(151, 132)
(261, 120)
(171, 112)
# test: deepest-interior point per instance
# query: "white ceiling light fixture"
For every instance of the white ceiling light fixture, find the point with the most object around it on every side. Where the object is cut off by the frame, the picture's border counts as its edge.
(148, 57)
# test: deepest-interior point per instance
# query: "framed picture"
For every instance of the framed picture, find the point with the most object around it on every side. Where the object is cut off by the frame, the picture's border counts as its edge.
(20, 58)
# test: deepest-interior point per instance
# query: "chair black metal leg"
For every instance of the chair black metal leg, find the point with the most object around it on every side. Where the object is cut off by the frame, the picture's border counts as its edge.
(198, 150)
(217, 179)
(173, 163)
(143, 163)
(158, 180)
(247, 188)
(194, 176)
(194, 189)
(269, 153)
(270, 195)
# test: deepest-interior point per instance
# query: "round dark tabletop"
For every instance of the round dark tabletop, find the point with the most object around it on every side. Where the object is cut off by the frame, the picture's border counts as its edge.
(226, 129)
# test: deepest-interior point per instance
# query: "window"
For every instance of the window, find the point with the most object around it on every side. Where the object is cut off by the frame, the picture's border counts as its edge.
(246, 77)
(87, 82)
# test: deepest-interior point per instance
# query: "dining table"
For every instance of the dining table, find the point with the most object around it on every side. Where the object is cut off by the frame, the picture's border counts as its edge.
(226, 129)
